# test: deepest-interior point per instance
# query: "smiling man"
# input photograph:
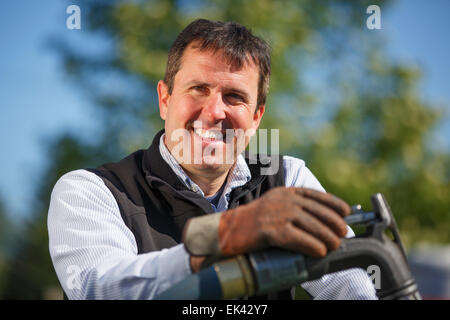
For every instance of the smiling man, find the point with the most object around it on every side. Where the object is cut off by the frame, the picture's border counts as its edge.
(133, 228)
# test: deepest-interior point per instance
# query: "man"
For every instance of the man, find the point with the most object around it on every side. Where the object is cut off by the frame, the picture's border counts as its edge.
(132, 229)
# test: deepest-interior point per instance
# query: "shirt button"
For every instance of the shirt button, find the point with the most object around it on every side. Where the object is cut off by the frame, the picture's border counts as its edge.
(195, 189)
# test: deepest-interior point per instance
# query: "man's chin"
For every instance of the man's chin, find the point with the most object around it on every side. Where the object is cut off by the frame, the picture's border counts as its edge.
(210, 165)
(213, 164)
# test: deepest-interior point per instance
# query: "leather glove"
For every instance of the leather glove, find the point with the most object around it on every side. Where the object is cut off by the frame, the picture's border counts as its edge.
(297, 219)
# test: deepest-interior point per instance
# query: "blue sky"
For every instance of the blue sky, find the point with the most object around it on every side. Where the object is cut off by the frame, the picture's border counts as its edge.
(38, 102)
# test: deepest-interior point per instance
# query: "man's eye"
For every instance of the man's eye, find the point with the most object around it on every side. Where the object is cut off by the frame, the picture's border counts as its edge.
(199, 89)
(235, 97)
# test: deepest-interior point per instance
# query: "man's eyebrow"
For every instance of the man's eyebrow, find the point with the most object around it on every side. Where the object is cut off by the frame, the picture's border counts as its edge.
(197, 83)
(200, 83)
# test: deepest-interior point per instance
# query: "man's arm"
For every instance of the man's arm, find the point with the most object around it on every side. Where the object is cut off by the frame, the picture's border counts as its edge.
(348, 284)
(93, 251)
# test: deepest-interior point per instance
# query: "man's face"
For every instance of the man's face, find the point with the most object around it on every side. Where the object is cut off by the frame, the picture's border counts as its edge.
(211, 112)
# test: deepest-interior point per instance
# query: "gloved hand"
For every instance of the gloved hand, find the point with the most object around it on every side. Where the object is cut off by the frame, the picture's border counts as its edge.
(297, 219)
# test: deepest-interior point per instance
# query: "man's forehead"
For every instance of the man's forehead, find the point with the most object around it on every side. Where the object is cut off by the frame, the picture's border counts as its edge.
(216, 59)
(212, 68)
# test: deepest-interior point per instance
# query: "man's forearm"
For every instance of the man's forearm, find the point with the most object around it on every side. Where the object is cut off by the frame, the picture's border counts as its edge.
(126, 278)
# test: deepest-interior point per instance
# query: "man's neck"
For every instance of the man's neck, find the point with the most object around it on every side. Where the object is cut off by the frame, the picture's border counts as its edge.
(210, 183)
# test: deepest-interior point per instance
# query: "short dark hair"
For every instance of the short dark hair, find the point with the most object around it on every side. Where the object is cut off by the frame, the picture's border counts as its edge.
(237, 43)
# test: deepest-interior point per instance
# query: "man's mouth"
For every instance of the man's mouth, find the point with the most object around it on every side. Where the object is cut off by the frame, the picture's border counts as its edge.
(210, 135)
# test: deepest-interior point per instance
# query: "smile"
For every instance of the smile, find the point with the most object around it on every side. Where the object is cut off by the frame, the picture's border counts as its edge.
(209, 134)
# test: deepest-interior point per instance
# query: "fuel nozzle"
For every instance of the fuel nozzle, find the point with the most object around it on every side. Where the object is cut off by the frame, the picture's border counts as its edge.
(275, 269)
(358, 216)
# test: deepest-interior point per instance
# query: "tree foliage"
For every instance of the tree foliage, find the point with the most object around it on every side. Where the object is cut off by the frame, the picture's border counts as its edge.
(357, 118)
(5, 240)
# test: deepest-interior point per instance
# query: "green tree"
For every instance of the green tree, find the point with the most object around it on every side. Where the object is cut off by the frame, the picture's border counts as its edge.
(6, 233)
(356, 117)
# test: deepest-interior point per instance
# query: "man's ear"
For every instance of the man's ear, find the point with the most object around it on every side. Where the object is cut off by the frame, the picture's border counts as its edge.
(258, 116)
(163, 98)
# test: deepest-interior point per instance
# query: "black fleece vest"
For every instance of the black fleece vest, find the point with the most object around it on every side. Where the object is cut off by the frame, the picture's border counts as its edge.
(155, 204)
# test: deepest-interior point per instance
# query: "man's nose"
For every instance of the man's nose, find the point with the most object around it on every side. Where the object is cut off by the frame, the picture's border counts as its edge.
(214, 110)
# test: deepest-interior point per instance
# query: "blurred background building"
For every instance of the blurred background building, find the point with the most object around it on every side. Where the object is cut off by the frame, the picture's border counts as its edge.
(368, 110)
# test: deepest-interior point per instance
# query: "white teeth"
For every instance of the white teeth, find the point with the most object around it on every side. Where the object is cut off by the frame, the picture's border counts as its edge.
(206, 134)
